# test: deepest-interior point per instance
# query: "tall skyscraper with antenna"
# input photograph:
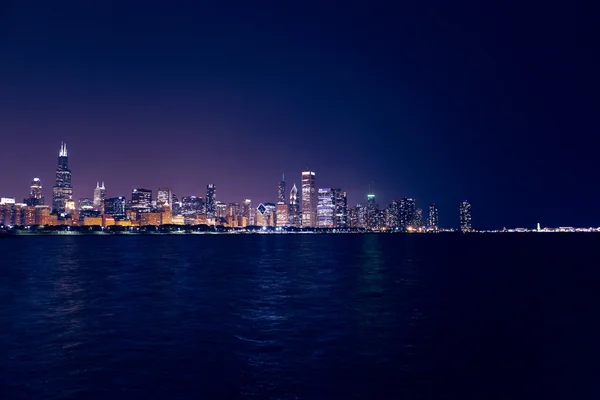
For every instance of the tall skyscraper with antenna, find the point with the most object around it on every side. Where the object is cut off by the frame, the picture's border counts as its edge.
(62, 192)
(281, 191)
(309, 200)
(99, 197)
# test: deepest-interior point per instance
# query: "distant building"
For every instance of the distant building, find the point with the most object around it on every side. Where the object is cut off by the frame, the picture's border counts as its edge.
(150, 218)
(141, 199)
(340, 204)
(247, 209)
(115, 206)
(294, 209)
(371, 211)
(36, 197)
(271, 213)
(309, 200)
(394, 215)
(353, 217)
(92, 221)
(261, 215)
(281, 191)
(99, 197)
(433, 219)
(29, 215)
(42, 215)
(220, 209)
(63, 189)
(210, 200)
(418, 218)
(325, 208)
(465, 216)
(407, 213)
(282, 214)
(164, 197)
(85, 204)
(192, 205)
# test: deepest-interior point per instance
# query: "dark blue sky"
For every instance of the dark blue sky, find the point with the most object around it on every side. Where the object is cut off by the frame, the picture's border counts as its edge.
(440, 101)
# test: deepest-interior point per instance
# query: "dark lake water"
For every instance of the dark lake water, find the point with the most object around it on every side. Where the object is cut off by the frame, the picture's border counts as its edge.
(299, 317)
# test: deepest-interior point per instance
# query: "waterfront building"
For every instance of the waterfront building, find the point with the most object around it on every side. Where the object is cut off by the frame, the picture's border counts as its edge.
(63, 189)
(99, 197)
(282, 214)
(141, 199)
(465, 216)
(115, 206)
(325, 208)
(92, 221)
(42, 215)
(29, 215)
(36, 197)
(164, 197)
(353, 217)
(433, 219)
(210, 200)
(309, 200)
(294, 210)
(407, 213)
(418, 224)
(271, 213)
(281, 191)
(340, 204)
(192, 205)
(371, 212)
(150, 218)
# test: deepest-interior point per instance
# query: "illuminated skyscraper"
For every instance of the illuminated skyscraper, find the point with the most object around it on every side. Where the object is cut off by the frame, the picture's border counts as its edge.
(325, 208)
(115, 206)
(433, 220)
(36, 198)
(407, 213)
(465, 216)
(63, 189)
(99, 197)
(394, 215)
(192, 205)
(282, 214)
(164, 197)
(294, 211)
(220, 209)
(210, 200)
(340, 204)
(418, 218)
(353, 217)
(281, 191)
(309, 200)
(371, 211)
(141, 199)
(85, 203)
(246, 207)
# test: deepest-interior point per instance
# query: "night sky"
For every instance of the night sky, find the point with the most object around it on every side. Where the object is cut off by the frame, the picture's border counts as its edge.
(497, 104)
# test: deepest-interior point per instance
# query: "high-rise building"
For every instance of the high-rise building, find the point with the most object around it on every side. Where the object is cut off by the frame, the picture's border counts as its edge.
(85, 203)
(164, 197)
(418, 218)
(29, 215)
(246, 208)
(465, 216)
(210, 200)
(141, 199)
(371, 211)
(115, 206)
(325, 208)
(340, 203)
(407, 213)
(220, 209)
(36, 198)
(394, 218)
(309, 200)
(270, 213)
(352, 217)
(282, 214)
(261, 215)
(63, 189)
(99, 197)
(294, 211)
(361, 212)
(433, 220)
(7, 210)
(281, 191)
(192, 205)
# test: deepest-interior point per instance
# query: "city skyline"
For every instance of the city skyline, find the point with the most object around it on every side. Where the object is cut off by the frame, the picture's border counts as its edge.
(317, 208)
(413, 103)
